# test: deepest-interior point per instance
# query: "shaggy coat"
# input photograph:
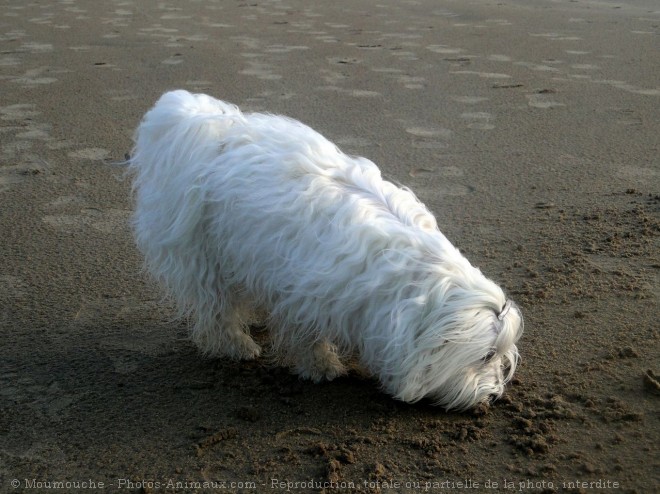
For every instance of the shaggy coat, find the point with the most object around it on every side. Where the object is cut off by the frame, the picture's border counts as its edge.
(240, 213)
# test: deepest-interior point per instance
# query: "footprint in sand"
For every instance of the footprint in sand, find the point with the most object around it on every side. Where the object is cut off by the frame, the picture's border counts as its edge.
(284, 48)
(356, 93)
(469, 100)
(429, 132)
(499, 58)
(9, 61)
(18, 111)
(631, 88)
(260, 70)
(411, 82)
(173, 60)
(479, 120)
(34, 47)
(542, 100)
(483, 75)
(34, 77)
(20, 139)
(444, 49)
(429, 137)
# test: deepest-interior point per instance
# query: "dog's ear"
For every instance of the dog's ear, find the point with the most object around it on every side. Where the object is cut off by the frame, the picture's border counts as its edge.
(509, 327)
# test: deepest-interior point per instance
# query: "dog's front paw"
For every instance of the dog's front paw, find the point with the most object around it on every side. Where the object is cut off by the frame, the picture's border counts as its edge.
(240, 346)
(322, 364)
(243, 348)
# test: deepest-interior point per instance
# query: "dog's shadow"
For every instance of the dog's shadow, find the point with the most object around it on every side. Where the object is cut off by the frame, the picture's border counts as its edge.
(195, 391)
(154, 372)
(114, 390)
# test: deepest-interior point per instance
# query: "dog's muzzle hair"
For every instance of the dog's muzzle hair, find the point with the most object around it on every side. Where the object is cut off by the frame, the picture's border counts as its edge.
(244, 214)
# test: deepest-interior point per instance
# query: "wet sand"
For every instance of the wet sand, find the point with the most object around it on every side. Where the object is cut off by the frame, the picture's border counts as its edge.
(530, 128)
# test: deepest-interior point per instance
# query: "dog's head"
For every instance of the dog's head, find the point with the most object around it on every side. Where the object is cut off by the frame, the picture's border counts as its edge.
(464, 351)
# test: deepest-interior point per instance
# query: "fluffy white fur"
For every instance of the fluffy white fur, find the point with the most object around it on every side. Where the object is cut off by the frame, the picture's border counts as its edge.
(242, 212)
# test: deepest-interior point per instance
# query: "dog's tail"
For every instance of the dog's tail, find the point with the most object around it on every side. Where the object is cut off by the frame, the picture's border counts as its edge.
(179, 118)
(179, 123)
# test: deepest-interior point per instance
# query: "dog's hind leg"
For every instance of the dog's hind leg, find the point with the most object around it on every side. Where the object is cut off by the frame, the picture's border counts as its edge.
(222, 329)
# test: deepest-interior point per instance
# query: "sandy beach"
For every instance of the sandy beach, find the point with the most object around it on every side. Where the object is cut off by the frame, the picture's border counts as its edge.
(530, 129)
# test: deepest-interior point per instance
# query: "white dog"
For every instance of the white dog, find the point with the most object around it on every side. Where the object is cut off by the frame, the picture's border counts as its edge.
(237, 213)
